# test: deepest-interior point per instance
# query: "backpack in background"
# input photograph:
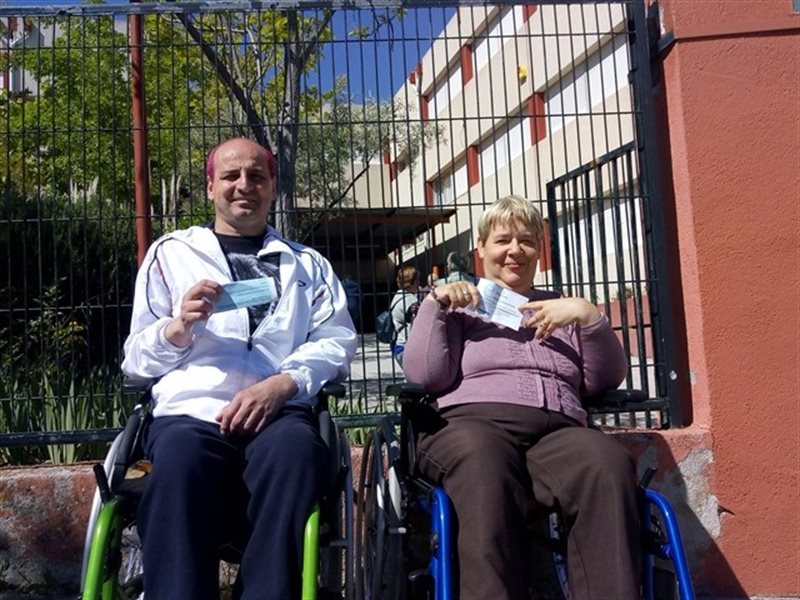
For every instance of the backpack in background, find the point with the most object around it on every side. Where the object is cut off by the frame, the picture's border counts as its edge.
(384, 327)
(384, 324)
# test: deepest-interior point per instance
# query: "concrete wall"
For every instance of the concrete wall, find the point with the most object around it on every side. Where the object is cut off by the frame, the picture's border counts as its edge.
(732, 81)
(43, 516)
(44, 510)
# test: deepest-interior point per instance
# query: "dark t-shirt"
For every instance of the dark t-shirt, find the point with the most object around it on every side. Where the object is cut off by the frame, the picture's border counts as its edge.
(241, 253)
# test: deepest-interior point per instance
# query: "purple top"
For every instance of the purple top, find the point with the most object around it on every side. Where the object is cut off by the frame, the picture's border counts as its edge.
(463, 358)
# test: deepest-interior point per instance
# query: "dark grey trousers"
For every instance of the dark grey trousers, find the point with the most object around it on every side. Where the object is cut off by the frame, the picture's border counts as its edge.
(501, 464)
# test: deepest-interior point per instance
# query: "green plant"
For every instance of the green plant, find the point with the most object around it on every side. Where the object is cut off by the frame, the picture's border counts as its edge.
(357, 406)
(93, 402)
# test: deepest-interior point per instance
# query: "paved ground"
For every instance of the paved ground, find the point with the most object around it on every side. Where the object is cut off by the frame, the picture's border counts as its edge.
(372, 370)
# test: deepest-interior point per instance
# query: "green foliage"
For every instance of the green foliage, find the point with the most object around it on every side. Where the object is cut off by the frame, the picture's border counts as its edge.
(68, 261)
(76, 128)
(73, 263)
(93, 402)
(358, 406)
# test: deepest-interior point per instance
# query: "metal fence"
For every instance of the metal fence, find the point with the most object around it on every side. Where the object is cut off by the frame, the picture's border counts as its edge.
(394, 127)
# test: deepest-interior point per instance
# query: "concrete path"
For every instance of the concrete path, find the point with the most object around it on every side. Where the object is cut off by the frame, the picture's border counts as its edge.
(372, 370)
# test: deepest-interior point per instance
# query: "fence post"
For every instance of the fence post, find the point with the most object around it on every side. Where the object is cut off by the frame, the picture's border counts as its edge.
(141, 169)
(669, 329)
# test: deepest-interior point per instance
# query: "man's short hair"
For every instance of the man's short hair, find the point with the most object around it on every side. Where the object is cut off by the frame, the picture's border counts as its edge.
(272, 165)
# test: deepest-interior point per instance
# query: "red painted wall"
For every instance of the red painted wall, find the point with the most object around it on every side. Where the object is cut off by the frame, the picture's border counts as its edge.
(732, 83)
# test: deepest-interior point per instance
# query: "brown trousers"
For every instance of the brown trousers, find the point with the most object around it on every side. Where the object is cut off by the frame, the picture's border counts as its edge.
(501, 464)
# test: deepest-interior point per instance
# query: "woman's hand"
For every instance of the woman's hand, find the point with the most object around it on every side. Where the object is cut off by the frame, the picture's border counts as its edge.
(197, 305)
(458, 294)
(549, 315)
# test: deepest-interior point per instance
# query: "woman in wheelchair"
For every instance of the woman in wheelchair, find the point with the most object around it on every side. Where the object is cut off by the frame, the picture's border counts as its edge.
(513, 438)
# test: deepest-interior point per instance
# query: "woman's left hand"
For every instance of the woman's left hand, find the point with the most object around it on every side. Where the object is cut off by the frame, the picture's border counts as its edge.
(549, 315)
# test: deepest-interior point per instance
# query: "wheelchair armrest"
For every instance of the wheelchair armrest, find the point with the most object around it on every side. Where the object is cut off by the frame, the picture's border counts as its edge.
(337, 390)
(620, 399)
(141, 386)
(130, 444)
(408, 393)
(329, 432)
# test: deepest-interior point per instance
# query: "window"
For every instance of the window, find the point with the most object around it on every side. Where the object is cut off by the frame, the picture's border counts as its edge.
(497, 33)
(451, 185)
(447, 90)
(509, 142)
(588, 85)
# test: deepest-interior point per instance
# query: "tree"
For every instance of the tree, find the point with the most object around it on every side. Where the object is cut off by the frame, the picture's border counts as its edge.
(242, 71)
(261, 58)
(76, 128)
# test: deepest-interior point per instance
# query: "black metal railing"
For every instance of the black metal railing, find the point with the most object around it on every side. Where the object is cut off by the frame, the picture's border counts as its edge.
(394, 126)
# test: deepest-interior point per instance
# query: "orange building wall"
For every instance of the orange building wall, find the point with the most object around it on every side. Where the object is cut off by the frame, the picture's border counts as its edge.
(732, 82)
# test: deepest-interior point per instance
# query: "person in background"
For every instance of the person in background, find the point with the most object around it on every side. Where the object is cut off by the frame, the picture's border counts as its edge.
(406, 296)
(353, 293)
(233, 432)
(458, 269)
(513, 436)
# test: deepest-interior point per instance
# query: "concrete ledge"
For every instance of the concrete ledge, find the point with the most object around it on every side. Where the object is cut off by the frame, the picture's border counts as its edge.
(44, 511)
(43, 515)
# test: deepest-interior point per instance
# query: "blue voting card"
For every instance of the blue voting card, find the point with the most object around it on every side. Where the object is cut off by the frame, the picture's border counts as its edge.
(244, 293)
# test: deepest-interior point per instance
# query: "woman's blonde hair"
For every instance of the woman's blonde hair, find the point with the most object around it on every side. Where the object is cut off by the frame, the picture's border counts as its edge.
(511, 208)
(407, 277)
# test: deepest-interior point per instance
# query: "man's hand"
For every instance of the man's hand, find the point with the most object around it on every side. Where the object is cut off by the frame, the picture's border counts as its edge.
(254, 407)
(197, 305)
(549, 315)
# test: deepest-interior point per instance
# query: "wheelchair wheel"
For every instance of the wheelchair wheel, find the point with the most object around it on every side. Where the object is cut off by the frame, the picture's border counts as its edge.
(378, 522)
(113, 567)
(559, 574)
(336, 569)
(112, 555)
(97, 504)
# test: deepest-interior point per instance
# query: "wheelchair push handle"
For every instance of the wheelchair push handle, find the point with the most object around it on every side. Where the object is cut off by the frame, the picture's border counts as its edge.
(102, 483)
(337, 390)
(408, 393)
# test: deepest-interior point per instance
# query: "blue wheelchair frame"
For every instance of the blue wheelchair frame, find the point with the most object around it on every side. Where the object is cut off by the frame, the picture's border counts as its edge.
(661, 536)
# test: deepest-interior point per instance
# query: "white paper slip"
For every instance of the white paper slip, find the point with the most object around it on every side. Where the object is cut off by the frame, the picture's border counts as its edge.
(499, 304)
(244, 293)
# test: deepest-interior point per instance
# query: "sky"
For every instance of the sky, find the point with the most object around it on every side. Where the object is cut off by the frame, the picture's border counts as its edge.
(378, 66)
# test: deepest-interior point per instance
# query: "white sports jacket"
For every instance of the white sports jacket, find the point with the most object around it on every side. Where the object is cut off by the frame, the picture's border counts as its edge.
(310, 335)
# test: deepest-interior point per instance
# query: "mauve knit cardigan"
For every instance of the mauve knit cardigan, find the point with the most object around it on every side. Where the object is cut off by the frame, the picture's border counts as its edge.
(463, 358)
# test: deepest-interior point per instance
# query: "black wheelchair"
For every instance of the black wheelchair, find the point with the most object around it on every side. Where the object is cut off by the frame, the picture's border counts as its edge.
(112, 553)
(404, 544)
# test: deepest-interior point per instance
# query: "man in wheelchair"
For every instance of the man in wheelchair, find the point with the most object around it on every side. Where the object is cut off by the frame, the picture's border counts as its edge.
(239, 328)
(512, 437)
